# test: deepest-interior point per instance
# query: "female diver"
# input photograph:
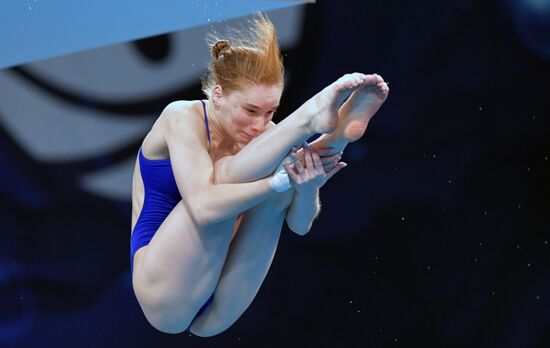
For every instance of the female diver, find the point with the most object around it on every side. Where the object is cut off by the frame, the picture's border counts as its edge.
(211, 192)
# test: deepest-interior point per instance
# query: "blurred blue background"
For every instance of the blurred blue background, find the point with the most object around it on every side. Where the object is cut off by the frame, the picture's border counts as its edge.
(435, 235)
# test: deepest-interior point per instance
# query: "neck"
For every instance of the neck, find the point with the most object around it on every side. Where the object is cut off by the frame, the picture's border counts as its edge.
(215, 125)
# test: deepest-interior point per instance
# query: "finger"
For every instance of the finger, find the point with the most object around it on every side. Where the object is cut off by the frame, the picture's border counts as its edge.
(330, 159)
(292, 153)
(300, 168)
(289, 168)
(317, 162)
(300, 160)
(325, 151)
(336, 169)
(330, 162)
(301, 154)
(308, 159)
(291, 171)
(300, 151)
(329, 166)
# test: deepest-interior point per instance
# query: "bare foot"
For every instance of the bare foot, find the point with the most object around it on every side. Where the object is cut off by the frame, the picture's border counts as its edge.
(323, 107)
(357, 111)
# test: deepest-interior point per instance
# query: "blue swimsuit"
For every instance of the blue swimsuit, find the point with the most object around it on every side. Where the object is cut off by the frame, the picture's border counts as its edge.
(161, 196)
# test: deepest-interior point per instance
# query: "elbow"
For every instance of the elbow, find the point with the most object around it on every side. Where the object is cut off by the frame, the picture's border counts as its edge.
(204, 217)
(301, 233)
(199, 212)
(202, 208)
(299, 230)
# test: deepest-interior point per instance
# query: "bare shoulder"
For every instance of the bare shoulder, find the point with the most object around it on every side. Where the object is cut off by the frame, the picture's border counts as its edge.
(180, 111)
(184, 118)
(180, 119)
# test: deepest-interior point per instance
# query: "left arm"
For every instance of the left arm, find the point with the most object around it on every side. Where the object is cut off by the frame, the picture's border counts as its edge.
(308, 174)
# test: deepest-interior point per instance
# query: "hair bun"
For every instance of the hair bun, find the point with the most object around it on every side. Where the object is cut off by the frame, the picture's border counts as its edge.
(220, 47)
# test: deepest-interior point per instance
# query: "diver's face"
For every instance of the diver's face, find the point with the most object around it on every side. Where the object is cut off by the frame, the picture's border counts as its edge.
(248, 111)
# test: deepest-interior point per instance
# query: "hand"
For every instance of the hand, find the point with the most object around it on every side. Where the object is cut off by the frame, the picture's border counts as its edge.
(307, 173)
(328, 161)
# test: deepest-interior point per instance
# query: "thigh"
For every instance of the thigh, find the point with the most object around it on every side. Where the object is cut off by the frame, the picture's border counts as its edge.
(250, 256)
(179, 269)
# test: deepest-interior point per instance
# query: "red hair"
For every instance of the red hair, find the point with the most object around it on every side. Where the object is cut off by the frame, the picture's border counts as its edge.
(245, 58)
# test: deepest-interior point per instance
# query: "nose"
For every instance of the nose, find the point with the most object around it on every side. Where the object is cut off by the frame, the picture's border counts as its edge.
(258, 126)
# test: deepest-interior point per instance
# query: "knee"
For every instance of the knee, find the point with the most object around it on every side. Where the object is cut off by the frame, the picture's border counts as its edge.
(205, 333)
(161, 322)
(208, 326)
(167, 318)
(160, 309)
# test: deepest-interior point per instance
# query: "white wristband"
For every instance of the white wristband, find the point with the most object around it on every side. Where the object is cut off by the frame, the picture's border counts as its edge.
(280, 182)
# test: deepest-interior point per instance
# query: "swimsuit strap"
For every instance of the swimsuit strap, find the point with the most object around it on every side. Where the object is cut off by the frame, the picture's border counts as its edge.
(206, 120)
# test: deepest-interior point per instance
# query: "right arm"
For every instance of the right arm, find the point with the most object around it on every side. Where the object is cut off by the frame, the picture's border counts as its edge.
(194, 172)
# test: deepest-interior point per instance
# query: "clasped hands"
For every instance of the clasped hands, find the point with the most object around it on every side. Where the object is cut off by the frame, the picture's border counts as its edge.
(309, 169)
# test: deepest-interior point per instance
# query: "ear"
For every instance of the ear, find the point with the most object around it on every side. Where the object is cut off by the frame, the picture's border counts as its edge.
(217, 94)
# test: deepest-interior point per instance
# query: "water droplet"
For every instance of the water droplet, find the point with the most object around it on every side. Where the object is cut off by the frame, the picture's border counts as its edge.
(533, 117)
(475, 260)
(480, 244)
(528, 169)
(538, 297)
(484, 213)
(517, 246)
(519, 206)
(528, 264)
(30, 8)
(480, 108)
(493, 293)
(433, 156)
(350, 301)
(429, 268)
(450, 181)
(402, 219)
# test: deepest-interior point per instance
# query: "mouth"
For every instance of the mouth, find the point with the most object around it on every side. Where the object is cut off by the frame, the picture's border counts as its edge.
(248, 136)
